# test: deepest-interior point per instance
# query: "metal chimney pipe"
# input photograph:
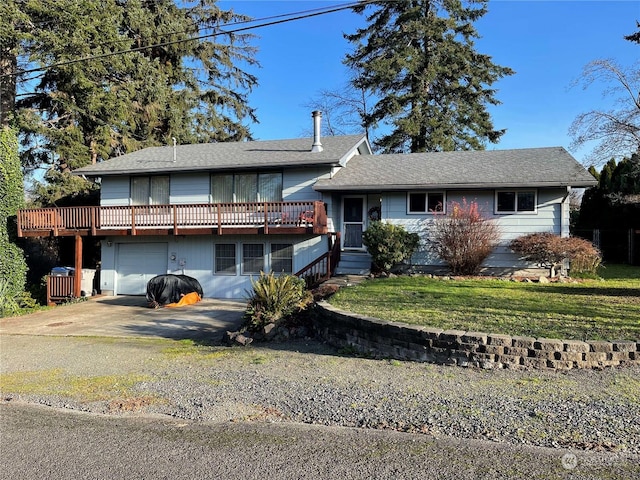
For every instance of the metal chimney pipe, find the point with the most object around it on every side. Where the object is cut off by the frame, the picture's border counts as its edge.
(317, 119)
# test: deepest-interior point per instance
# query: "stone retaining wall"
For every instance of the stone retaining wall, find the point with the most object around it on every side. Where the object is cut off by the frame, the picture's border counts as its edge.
(467, 349)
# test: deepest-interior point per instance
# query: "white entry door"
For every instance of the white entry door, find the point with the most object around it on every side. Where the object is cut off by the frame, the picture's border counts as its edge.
(352, 223)
(137, 263)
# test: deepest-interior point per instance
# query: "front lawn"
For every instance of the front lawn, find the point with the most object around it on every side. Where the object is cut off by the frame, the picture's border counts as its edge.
(606, 309)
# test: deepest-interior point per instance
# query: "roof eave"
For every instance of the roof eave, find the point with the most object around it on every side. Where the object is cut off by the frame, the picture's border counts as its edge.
(452, 186)
(176, 169)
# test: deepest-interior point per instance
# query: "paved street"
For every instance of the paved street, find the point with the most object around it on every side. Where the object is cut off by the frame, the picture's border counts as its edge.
(42, 443)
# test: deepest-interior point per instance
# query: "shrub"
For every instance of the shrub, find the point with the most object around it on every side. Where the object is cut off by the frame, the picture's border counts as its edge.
(274, 298)
(464, 238)
(389, 244)
(12, 304)
(548, 250)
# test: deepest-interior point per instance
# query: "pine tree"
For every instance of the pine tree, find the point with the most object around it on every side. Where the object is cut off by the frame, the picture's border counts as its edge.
(170, 84)
(418, 58)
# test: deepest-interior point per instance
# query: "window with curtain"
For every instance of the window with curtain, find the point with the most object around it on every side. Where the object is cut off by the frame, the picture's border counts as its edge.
(150, 190)
(246, 187)
(222, 188)
(270, 187)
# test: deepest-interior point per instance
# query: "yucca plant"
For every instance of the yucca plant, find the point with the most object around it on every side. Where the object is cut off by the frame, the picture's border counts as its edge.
(273, 298)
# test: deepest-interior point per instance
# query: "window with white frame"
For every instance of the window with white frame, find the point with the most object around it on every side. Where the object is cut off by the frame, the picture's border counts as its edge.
(252, 258)
(515, 201)
(425, 202)
(282, 258)
(225, 259)
(246, 187)
(150, 190)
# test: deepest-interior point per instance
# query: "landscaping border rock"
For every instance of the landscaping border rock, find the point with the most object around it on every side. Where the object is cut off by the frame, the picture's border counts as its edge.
(400, 341)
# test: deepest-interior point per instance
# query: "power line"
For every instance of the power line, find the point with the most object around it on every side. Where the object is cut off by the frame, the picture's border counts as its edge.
(304, 15)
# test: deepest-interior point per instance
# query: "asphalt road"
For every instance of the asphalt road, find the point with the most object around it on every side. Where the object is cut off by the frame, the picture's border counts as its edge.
(44, 443)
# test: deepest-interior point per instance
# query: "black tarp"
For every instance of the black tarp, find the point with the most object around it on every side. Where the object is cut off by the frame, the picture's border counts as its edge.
(165, 289)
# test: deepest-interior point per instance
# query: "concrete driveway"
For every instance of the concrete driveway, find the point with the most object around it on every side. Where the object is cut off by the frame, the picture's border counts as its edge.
(129, 316)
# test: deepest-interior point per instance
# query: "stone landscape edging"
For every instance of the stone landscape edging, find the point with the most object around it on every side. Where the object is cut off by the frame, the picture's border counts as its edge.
(402, 341)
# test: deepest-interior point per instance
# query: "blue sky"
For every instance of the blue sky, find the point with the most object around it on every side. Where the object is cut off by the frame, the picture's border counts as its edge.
(547, 43)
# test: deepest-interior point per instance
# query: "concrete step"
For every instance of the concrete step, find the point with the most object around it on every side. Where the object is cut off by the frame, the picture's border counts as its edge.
(354, 263)
(346, 280)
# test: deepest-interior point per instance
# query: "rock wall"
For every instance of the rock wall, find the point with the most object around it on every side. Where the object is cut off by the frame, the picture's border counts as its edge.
(467, 349)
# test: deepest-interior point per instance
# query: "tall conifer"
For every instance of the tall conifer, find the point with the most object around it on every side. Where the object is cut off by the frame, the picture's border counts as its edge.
(418, 57)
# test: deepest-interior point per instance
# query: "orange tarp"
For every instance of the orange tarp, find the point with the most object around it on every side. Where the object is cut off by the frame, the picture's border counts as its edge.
(188, 299)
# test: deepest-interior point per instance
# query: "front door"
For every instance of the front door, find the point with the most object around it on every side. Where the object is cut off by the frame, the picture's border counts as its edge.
(352, 223)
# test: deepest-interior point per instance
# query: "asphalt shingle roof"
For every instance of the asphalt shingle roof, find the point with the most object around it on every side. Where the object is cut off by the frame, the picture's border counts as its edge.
(530, 167)
(225, 156)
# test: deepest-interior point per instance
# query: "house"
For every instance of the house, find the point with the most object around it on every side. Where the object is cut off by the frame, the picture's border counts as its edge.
(224, 212)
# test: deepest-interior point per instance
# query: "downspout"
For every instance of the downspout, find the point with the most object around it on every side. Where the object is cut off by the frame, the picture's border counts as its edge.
(565, 220)
(565, 213)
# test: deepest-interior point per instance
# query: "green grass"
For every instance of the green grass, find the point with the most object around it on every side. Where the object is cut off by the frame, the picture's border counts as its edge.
(57, 382)
(603, 309)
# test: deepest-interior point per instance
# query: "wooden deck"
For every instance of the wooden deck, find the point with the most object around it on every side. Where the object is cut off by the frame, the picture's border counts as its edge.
(308, 217)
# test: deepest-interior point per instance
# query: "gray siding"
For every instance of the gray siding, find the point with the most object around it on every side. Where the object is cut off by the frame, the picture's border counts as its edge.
(297, 185)
(547, 218)
(191, 188)
(114, 191)
(195, 188)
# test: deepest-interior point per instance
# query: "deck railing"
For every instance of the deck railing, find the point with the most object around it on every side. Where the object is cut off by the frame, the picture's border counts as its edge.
(100, 220)
(59, 288)
(323, 267)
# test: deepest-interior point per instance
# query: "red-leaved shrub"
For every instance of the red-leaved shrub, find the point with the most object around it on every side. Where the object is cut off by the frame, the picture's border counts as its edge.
(549, 250)
(464, 237)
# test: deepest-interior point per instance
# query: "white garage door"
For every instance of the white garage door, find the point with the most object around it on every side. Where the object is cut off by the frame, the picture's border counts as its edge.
(137, 263)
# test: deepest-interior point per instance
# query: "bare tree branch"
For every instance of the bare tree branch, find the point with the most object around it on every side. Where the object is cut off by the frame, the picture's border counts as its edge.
(617, 132)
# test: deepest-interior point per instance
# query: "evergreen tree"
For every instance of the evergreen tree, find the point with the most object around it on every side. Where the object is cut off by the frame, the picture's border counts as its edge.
(634, 37)
(171, 83)
(418, 58)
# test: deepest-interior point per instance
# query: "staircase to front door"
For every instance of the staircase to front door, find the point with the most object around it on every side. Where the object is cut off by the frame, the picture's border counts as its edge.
(354, 263)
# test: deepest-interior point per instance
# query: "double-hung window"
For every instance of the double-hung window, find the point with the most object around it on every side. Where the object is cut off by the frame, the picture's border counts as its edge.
(282, 258)
(150, 190)
(225, 259)
(425, 202)
(516, 201)
(252, 258)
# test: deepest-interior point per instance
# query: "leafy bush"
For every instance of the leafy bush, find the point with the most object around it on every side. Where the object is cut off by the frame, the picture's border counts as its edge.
(274, 298)
(13, 268)
(12, 304)
(464, 238)
(389, 244)
(549, 251)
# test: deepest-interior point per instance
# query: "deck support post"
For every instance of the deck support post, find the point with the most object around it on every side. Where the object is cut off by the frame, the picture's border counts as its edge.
(77, 281)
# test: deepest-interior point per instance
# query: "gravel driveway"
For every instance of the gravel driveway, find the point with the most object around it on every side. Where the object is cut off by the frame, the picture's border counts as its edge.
(594, 415)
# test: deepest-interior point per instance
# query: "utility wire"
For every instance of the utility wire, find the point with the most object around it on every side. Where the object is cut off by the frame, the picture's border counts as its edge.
(311, 14)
